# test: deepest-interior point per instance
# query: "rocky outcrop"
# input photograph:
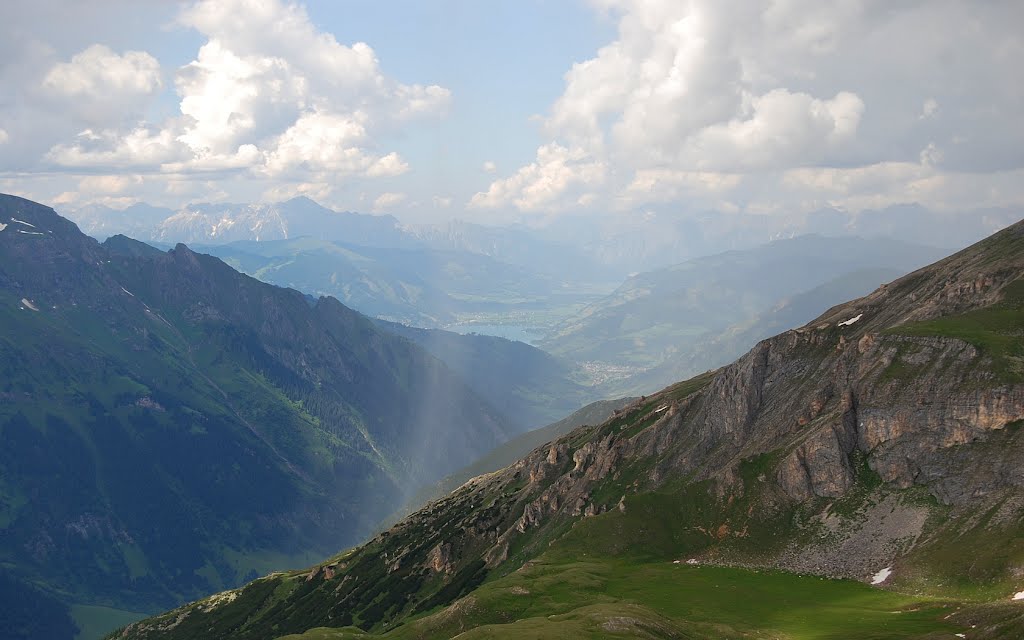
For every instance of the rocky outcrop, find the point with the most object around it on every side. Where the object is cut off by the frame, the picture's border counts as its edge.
(851, 431)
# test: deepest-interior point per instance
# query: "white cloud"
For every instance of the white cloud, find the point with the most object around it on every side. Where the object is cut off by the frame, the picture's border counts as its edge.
(784, 129)
(109, 184)
(141, 148)
(489, 166)
(929, 108)
(4, 136)
(441, 202)
(748, 92)
(558, 177)
(99, 86)
(389, 165)
(267, 94)
(387, 200)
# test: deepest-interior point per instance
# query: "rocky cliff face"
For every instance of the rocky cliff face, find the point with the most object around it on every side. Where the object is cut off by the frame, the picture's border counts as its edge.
(874, 437)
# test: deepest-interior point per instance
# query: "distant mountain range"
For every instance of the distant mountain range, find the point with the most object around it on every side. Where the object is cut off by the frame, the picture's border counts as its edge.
(170, 427)
(419, 286)
(586, 248)
(704, 312)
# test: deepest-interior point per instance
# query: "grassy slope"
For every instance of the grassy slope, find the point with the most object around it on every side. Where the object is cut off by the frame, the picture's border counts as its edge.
(618, 568)
(592, 596)
(997, 331)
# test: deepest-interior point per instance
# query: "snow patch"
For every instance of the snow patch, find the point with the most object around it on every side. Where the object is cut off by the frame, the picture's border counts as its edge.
(851, 320)
(692, 561)
(31, 233)
(960, 635)
(27, 303)
(1018, 596)
(661, 408)
(882, 575)
(2, 226)
(27, 224)
(128, 292)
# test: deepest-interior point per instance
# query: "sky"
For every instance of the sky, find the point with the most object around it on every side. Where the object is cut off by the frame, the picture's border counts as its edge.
(515, 110)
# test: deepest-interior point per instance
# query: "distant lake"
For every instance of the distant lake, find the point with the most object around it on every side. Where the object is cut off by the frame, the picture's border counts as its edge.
(526, 334)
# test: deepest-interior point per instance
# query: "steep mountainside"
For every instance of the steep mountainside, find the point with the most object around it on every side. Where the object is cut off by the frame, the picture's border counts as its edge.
(717, 348)
(516, 448)
(169, 427)
(881, 442)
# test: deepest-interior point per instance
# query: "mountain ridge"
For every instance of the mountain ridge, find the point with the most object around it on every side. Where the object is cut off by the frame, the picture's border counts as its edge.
(145, 394)
(880, 442)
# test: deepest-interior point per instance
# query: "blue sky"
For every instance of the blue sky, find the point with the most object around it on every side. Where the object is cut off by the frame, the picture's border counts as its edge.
(498, 111)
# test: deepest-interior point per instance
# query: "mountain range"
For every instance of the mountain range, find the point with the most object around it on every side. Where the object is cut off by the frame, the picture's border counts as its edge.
(859, 476)
(419, 286)
(594, 247)
(683, 312)
(171, 427)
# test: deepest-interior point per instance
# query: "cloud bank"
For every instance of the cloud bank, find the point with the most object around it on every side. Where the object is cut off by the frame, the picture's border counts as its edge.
(267, 96)
(786, 104)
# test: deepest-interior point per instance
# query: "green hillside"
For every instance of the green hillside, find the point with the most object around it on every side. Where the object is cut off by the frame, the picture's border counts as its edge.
(170, 427)
(855, 477)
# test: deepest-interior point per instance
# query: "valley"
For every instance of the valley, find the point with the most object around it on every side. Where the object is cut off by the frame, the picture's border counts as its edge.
(429, 320)
(598, 504)
(876, 443)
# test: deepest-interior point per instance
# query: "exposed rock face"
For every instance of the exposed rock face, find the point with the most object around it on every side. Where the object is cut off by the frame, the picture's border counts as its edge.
(796, 426)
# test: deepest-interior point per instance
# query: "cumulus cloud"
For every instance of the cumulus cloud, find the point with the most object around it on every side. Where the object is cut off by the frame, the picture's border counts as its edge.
(142, 148)
(557, 176)
(109, 184)
(705, 100)
(489, 166)
(387, 200)
(4, 136)
(929, 108)
(99, 86)
(267, 93)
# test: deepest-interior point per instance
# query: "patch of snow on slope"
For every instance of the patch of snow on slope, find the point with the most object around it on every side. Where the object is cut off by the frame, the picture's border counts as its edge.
(851, 320)
(27, 303)
(1018, 596)
(2, 226)
(128, 292)
(882, 576)
(27, 224)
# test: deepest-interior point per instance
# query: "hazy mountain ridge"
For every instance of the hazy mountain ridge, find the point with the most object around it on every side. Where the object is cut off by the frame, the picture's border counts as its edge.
(426, 287)
(718, 348)
(595, 247)
(170, 426)
(880, 442)
(206, 223)
(673, 313)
